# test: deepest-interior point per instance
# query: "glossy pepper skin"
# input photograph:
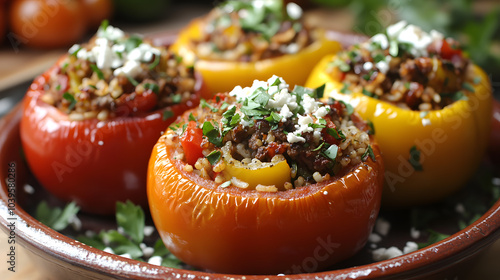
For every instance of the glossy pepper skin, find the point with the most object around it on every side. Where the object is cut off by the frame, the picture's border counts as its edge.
(95, 163)
(222, 76)
(451, 141)
(231, 230)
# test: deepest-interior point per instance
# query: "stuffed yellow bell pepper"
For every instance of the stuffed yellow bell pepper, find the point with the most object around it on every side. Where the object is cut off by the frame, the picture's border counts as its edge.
(429, 105)
(241, 41)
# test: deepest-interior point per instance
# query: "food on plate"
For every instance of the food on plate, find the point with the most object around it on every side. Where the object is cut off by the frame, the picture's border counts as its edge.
(430, 107)
(264, 178)
(89, 122)
(239, 41)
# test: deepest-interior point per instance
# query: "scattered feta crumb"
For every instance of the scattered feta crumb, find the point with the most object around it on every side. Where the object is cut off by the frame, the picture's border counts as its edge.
(374, 238)
(459, 208)
(293, 10)
(414, 233)
(495, 181)
(156, 260)
(148, 230)
(382, 226)
(126, 255)
(29, 189)
(385, 254)
(410, 247)
(109, 250)
(148, 251)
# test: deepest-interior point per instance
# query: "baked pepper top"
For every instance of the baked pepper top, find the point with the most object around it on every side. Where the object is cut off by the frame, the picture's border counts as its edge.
(241, 41)
(116, 74)
(269, 138)
(407, 67)
(252, 31)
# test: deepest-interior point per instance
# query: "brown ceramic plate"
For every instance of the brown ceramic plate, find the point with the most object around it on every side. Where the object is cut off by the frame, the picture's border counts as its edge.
(65, 258)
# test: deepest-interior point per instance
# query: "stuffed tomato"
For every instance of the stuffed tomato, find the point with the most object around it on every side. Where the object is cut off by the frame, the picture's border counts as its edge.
(89, 123)
(263, 180)
(239, 41)
(429, 105)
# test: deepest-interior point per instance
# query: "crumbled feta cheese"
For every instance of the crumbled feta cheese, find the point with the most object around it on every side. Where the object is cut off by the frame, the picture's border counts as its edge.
(126, 255)
(410, 247)
(381, 40)
(495, 181)
(374, 238)
(281, 98)
(368, 66)
(382, 226)
(293, 10)
(383, 66)
(156, 260)
(110, 33)
(394, 30)
(321, 112)
(131, 68)
(417, 37)
(109, 250)
(385, 254)
(285, 112)
(309, 104)
(293, 138)
(28, 189)
(414, 233)
(459, 208)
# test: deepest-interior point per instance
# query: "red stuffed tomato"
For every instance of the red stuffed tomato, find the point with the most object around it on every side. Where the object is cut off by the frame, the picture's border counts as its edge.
(89, 125)
(276, 183)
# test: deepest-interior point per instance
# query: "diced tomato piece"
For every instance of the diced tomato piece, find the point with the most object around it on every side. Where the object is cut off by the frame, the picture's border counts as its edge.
(191, 143)
(448, 52)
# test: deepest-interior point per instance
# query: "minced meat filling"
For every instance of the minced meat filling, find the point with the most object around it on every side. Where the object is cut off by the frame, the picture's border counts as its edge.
(261, 122)
(407, 67)
(252, 31)
(117, 75)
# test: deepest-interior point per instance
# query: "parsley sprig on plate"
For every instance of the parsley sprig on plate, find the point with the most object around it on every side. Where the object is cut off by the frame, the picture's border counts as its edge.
(127, 240)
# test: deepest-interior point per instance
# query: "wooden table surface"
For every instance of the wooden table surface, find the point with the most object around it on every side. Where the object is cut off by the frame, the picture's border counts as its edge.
(17, 66)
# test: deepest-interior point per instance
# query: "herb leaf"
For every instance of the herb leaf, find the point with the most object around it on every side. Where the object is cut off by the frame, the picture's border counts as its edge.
(56, 218)
(98, 71)
(214, 157)
(131, 218)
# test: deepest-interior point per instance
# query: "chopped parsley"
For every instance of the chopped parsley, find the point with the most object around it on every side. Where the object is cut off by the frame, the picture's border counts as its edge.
(98, 71)
(132, 81)
(72, 101)
(212, 133)
(371, 130)
(214, 157)
(153, 87)
(368, 153)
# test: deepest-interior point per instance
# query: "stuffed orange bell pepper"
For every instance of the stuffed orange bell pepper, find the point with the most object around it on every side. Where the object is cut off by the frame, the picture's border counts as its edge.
(90, 121)
(429, 105)
(262, 179)
(240, 41)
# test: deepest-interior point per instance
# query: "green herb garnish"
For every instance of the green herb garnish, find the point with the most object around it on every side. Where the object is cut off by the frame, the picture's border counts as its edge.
(72, 101)
(153, 87)
(98, 71)
(214, 157)
(212, 133)
(368, 153)
(56, 218)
